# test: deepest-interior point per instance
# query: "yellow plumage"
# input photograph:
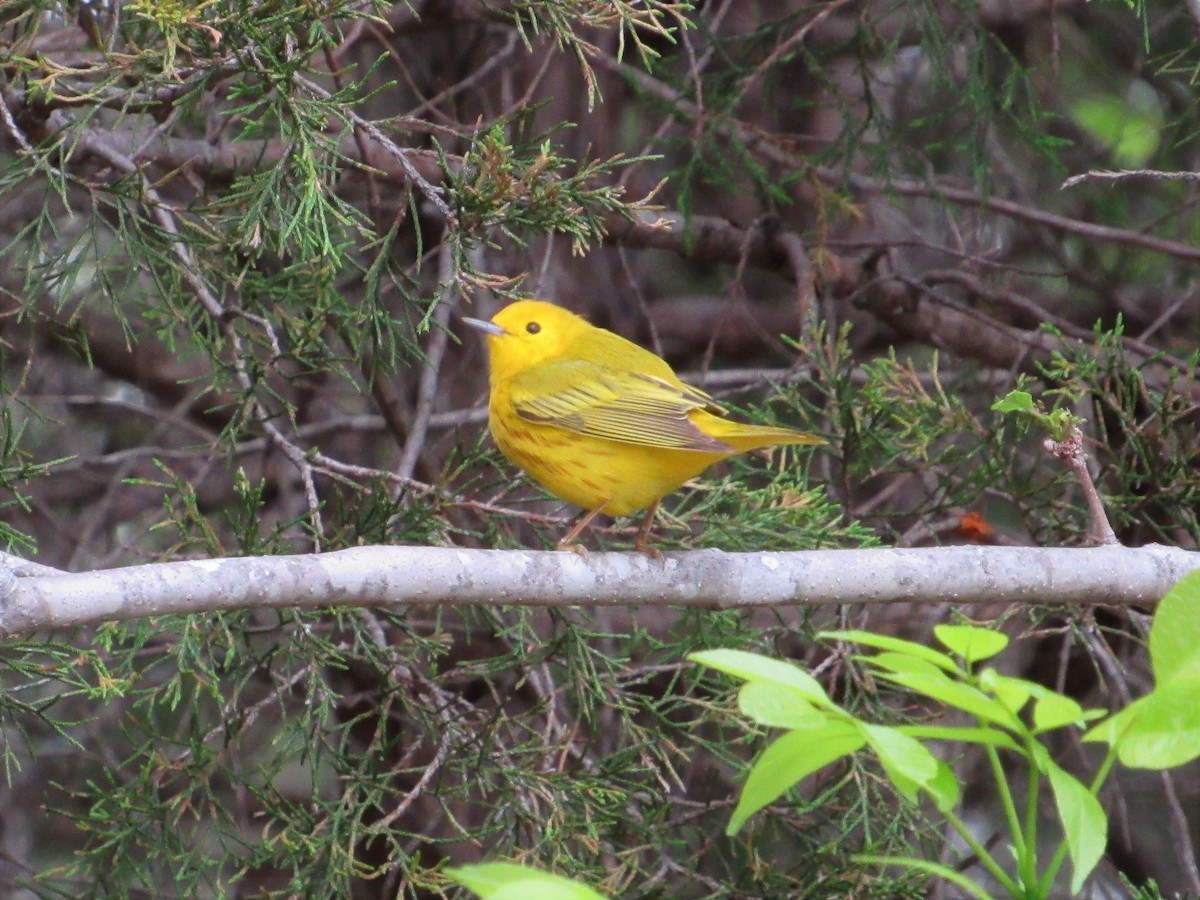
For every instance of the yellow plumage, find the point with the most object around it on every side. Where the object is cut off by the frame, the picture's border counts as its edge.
(599, 421)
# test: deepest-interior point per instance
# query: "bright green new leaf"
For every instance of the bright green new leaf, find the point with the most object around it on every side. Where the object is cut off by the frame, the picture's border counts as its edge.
(989, 736)
(1175, 631)
(1084, 823)
(1012, 693)
(884, 642)
(755, 667)
(1051, 709)
(1015, 401)
(971, 643)
(1112, 729)
(790, 758)
(903, 664)
(1056, 711)
(960, 696)
(778, 706)
(1162, 729)
(543, 890)
(510, 881)
(910, 765)
(901, 752)
(944, 789)
(905, 786)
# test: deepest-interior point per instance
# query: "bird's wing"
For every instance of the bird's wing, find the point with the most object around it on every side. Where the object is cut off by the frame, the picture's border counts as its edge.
(590, 398)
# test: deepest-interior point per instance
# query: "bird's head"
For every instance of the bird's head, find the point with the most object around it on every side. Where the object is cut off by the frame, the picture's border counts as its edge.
(526, 333)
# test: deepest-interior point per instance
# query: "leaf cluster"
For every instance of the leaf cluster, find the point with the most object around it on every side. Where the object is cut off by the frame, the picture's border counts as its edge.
(1010, 714)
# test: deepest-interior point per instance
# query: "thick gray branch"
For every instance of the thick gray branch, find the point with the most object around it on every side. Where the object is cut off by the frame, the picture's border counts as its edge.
(402, 576)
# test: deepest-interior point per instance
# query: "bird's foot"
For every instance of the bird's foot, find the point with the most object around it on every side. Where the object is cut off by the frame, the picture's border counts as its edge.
(578, 549)
(641, 541)
(642, 545)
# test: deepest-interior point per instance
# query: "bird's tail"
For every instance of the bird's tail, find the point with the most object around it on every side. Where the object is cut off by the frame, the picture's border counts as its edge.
(744, 437)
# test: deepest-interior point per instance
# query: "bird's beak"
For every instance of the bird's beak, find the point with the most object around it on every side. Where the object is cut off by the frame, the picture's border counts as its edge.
(490, 328)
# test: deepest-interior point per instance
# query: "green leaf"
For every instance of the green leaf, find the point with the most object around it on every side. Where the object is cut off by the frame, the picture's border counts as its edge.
(901, 752)
(1112, 729)
(903, 664)
(778, 706)
(510, 881)
(541, 890)
(973, 644)
(1015, 402)
(960, 696)
(790, 758)
(944, 788)
(990, 736)
(755, 667)
(1012, 693)
(1083, 820)
(1051, 709)
(1055, 711)
(1162, 729)
(884, 642)
(1175, 631)
(910, 765)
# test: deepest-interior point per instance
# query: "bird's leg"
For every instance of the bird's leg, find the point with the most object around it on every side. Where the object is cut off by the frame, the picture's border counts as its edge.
(641, 540)
(567, 541)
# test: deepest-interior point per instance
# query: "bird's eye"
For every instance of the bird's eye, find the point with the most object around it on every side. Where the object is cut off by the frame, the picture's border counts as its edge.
(533, 327)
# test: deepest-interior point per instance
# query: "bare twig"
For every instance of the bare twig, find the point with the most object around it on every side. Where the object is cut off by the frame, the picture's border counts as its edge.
(802, 272)
(1071, 452)
(427, 386)
(1128, 174)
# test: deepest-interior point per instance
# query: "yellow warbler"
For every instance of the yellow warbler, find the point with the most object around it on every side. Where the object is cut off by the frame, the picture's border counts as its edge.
(598, 421)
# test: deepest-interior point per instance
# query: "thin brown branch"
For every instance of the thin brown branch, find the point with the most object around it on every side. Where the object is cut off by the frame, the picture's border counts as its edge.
(769, 149)
(435, 351)
(1071, 452)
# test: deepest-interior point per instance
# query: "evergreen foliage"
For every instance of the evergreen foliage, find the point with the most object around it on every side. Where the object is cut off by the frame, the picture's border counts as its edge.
(235, 238)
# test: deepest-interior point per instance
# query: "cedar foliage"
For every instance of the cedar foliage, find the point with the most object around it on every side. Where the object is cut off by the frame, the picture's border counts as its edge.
(235, 238)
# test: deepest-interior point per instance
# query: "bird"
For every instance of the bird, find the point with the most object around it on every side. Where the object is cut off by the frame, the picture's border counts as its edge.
(599, 421)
